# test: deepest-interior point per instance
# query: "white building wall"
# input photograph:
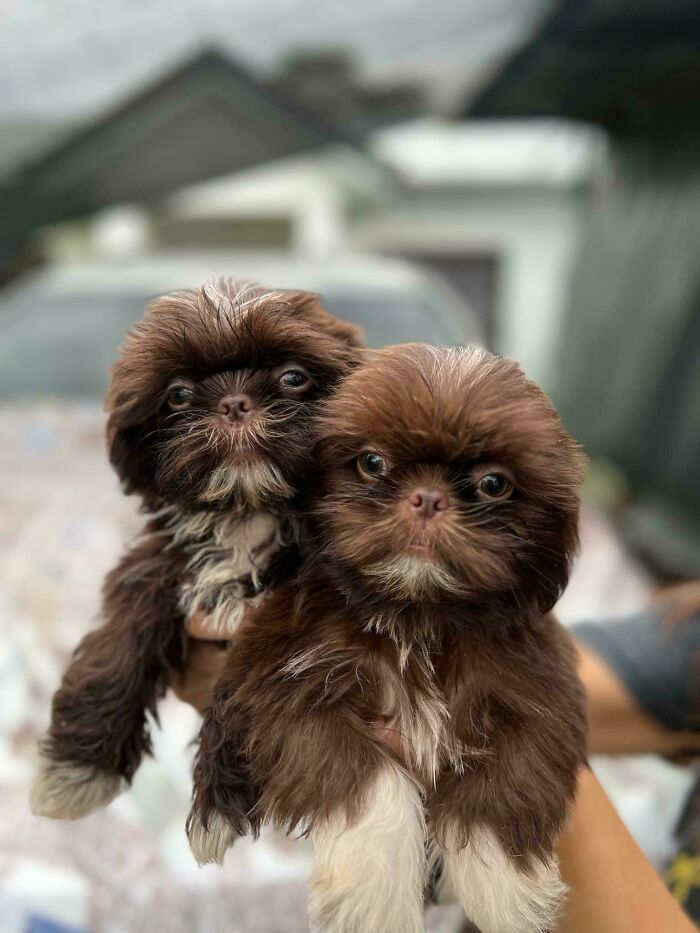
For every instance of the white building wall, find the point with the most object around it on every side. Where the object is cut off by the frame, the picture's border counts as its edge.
(533, 234)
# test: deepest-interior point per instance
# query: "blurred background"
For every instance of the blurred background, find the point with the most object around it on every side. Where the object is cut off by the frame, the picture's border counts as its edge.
(519, 173)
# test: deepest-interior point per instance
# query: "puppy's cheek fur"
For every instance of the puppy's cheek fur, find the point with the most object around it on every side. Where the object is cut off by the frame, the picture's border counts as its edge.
(132, 456)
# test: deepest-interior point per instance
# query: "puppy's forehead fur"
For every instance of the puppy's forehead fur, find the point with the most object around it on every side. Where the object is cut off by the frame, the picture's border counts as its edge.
(231, 323)
(415, 401)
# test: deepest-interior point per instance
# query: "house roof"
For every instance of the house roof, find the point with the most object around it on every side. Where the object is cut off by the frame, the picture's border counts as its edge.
(629, 65)
(207, 117)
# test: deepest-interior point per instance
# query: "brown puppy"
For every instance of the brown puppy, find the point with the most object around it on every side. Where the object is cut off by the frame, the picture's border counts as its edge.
(209, 412)
(446, 520)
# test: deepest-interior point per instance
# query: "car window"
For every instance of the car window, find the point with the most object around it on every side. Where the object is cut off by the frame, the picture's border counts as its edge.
(63, 345)
(392, 318)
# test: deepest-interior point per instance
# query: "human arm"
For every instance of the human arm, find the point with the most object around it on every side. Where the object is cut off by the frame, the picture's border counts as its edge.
(612, 886)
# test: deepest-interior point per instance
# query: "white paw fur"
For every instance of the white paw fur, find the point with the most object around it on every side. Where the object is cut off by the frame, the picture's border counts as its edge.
(370, 875)
(494, 894)
(66, 790)
(211, 844)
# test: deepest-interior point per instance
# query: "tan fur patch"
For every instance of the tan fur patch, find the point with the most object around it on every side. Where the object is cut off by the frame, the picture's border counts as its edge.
(421, 718)
(252, 481)
(237, 297)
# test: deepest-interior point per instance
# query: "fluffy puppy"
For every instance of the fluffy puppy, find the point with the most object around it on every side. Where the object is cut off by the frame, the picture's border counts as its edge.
(446, 520)
(209, 410)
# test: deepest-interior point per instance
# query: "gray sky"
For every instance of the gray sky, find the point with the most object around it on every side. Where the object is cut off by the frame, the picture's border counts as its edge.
(63, 59)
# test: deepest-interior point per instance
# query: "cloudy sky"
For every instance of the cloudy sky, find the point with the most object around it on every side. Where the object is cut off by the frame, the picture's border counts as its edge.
(62, 59)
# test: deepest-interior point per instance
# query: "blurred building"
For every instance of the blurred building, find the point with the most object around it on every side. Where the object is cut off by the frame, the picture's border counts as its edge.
(205, 117)
(493, 208)
(577, 254)
(629, 363)
(496, 207)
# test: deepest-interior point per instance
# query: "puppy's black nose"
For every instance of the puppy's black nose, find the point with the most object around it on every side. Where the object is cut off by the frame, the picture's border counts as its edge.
(427, 503)
(236, 407)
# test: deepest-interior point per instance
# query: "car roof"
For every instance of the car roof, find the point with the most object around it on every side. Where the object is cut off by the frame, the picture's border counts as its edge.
(60, 326)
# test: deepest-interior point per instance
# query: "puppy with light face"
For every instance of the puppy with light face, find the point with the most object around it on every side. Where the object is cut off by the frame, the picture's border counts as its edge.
(445, 524)
(209, 417)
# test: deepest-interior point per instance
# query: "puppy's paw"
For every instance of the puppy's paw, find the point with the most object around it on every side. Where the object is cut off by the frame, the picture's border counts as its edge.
(210, 843)
(67, 790)
(495, 893)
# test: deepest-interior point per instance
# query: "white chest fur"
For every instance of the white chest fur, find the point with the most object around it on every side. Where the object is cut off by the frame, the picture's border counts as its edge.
(420, 716)
(226, 555)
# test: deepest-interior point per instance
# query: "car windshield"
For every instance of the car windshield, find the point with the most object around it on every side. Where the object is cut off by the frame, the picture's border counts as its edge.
(64, 344)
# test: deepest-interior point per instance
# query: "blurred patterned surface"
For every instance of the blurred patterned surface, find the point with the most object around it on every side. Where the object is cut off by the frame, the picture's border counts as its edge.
(62, 524)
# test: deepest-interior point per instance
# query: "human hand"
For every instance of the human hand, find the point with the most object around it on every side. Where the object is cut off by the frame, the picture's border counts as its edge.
(205, 656)
(388, 734)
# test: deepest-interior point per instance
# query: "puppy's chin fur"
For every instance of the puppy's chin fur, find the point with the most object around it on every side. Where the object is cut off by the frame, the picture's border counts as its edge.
(250, 483)
(411, 577)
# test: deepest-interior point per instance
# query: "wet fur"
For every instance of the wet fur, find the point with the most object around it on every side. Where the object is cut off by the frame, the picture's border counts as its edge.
(220, 526)
(467, 664)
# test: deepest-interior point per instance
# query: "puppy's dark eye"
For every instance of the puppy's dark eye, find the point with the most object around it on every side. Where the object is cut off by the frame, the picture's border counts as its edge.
(370, 465)
(180, 397)
(494, 485)
(294, 379)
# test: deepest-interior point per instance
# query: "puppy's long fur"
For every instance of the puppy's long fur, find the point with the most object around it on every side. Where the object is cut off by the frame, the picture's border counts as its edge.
(433, 618)
(208, 426)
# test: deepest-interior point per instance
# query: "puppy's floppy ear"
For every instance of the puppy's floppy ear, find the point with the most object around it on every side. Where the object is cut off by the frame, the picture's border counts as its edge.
(309, 306)
(131, 407)
(549, 587)
(560, 536)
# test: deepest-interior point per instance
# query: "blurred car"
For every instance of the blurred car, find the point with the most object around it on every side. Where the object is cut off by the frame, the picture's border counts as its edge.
(60, 327)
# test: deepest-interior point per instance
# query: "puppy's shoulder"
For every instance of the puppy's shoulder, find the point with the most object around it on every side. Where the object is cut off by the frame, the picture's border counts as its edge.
(303, 602)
